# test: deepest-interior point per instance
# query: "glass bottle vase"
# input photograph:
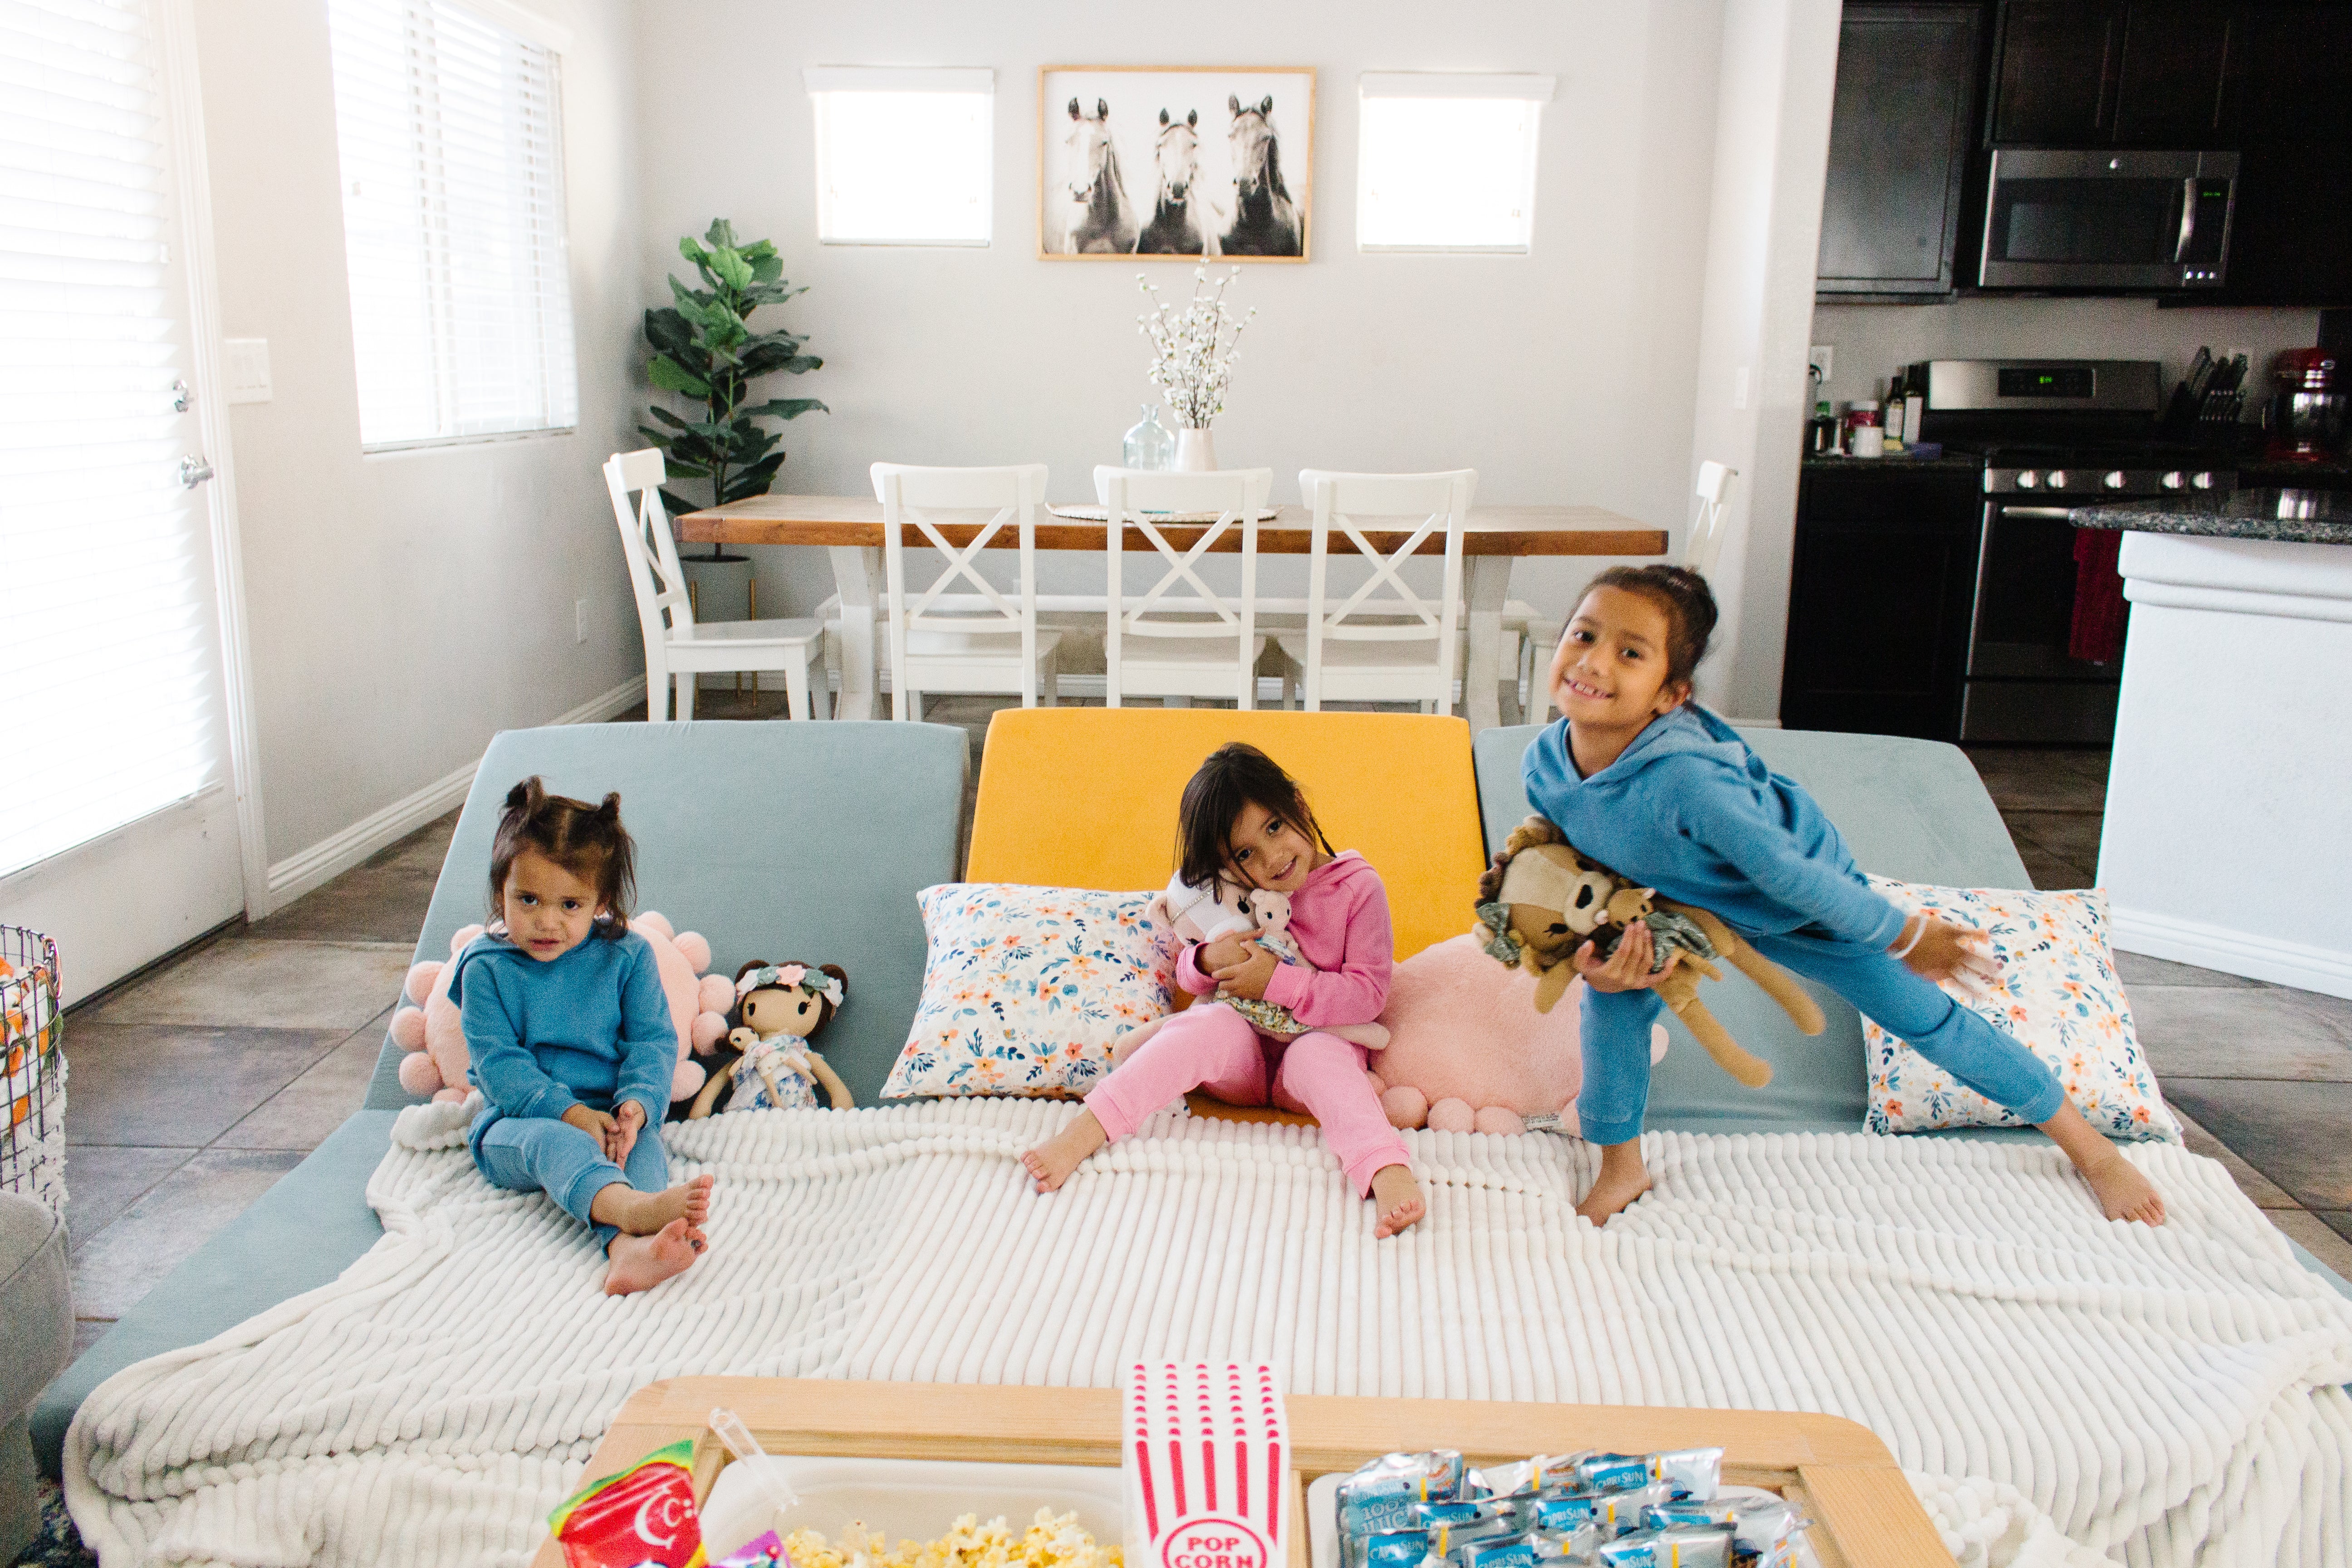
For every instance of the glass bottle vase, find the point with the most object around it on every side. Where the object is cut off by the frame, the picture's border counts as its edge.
(1149, 444)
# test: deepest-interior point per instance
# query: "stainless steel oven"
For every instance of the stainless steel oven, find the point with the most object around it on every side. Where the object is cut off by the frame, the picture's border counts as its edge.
(2066, 218)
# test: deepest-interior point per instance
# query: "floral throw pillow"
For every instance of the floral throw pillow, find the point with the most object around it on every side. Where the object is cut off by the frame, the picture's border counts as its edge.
(2058, 993)
(1026, 988)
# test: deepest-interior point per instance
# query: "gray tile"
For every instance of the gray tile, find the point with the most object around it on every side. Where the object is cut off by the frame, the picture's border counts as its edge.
(2070, 835)
(2037, 779)
(169, 1087)
(2321, 1234)
(2136, 969)
(2338, 1220)
(88, 1331)
(382, 900)
(2259, 1189)
(2295, 1133)
(103, 1181)
(267, 984)
(156, 1233)
(2226, 1032)
(2047, 870)
(301, 1115)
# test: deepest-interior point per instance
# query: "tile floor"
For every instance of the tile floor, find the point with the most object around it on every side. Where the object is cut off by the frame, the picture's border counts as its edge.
(196, 1086)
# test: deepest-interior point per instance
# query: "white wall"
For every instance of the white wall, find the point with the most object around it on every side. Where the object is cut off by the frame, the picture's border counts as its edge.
(1563, 375)
(403, 608)
(1771, 156)
(1872, 340)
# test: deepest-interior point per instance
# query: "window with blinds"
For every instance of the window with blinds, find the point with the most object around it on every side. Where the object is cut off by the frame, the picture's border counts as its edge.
(1446, 162)
(450, 134)
(106, 627)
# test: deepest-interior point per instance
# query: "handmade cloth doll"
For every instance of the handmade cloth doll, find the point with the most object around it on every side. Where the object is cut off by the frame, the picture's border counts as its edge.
(769, 1059)
(1541, 899)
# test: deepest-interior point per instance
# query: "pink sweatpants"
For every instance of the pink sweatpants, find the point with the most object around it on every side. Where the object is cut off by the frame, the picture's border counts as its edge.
(1215, 1048)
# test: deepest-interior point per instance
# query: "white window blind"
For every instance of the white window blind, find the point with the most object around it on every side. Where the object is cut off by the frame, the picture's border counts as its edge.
(106, 646)
(903, 156)
(450, 134)
(1448, 162)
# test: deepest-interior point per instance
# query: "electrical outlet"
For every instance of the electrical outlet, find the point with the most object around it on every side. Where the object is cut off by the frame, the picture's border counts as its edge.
(1821, 357)
(579, 620)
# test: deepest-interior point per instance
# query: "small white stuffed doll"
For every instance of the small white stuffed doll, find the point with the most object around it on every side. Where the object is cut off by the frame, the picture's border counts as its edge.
(1226, 909)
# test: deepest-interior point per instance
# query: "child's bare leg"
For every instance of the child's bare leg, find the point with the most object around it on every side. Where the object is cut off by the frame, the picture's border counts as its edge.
(1623, 1179)
(642, 1262)
(2122, 1191)
(634, 1213)
(1051, 1163)
(1397, 1195)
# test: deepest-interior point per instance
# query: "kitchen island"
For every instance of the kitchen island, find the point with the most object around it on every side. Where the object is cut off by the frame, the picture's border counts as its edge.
(2227, 841)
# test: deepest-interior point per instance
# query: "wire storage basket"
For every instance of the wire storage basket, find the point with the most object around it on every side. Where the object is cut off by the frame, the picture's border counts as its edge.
(32, 1050)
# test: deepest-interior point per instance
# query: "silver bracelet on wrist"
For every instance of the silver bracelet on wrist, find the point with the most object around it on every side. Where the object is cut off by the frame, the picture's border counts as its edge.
(1905, 951)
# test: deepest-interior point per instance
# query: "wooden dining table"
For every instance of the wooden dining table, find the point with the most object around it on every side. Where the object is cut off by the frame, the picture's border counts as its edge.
(850, 529)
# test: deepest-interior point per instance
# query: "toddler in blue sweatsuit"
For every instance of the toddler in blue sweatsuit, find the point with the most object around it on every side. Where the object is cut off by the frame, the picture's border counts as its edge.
(1662, 792)
(571, 1040)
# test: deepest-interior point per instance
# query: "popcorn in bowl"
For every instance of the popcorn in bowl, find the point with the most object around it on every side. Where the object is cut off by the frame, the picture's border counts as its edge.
(1052, 1541)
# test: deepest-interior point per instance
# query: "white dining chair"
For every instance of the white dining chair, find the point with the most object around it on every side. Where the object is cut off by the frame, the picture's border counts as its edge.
(1181, 639)
(944, 638)
(678, 649)
(1707, 532)
(1385, 642)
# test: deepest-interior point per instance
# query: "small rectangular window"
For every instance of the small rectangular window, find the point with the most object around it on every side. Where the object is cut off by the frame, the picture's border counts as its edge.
(449, 129)
(903, 156)
(1448, 162)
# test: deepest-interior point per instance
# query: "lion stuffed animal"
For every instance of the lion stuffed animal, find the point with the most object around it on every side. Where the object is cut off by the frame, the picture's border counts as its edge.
(1542, 900)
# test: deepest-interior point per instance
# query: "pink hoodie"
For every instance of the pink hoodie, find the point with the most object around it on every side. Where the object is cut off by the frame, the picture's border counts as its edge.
(1340, 922)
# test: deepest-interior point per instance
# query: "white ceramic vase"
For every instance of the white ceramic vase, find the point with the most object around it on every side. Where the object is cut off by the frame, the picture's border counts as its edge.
(1196, 452)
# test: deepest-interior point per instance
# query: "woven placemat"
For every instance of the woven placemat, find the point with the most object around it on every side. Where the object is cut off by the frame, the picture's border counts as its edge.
(1102, 514)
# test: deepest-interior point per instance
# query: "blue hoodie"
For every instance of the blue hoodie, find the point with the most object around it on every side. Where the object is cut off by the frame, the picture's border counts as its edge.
(1690, 810)
(591, 1027)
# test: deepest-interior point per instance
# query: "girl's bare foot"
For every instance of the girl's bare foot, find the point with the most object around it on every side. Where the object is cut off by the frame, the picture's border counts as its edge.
(2122, 1191)
(642, 1262)
(643, 1214)
(1623, 1179)
(1398, 1198)
(1051, 1163)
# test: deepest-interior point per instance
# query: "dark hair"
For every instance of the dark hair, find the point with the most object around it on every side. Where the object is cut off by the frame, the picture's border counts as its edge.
(1688, 603)
(586, 840)
(1236, 775)
(825, 1007)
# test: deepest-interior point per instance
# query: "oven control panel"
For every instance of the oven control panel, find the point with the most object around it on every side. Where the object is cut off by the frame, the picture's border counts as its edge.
(2107, 484)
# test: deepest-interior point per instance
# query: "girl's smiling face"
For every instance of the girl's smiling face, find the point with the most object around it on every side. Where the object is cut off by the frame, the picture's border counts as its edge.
(1270, 851)
(1611, 671)
(548, 911)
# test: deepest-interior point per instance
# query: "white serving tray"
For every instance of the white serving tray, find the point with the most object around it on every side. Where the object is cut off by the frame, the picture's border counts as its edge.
(903, 1499)
(1323, 1521)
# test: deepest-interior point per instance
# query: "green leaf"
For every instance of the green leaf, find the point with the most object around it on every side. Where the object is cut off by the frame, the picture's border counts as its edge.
(667, 332)
(691, 251)
(766, 265)
(668, 374)
(666, 418)
(654, 436)
(755, 481)
(732, 269)
(784, 408)
(678, 505)
(721, 232)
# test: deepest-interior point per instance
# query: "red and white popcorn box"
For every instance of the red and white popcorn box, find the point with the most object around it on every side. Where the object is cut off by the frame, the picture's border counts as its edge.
(1206, 1456)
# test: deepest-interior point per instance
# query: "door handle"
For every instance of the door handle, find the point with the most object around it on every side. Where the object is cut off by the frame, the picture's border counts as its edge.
(2188, 218)
(2058, 512)
(193, 471)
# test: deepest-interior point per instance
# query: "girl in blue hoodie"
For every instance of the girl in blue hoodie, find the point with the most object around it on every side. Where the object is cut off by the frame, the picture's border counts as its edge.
(1647, 783)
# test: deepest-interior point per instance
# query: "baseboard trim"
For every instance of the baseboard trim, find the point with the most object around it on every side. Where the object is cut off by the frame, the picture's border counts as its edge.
(331, 857)
(2282, 962)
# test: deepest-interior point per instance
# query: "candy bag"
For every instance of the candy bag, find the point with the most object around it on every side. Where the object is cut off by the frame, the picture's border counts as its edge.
(644, 1515)
(763, 1551)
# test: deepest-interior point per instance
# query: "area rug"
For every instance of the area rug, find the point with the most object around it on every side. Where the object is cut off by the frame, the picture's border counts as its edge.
(2166, 1397)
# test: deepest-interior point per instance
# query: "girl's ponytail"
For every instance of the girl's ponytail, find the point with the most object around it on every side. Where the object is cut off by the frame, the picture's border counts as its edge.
(586, 840)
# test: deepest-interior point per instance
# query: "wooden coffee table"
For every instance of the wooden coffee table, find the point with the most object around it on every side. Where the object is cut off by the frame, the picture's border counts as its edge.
(1839, 1474)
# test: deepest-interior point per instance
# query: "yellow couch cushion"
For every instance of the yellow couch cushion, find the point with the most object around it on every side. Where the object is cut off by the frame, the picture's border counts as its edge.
(1085, 797)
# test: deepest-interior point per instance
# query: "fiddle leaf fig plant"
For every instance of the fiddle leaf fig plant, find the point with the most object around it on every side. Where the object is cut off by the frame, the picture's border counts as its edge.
(705, 348)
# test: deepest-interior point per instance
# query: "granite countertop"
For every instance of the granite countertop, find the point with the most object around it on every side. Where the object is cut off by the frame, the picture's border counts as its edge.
(1950, 462)
(2295, 517)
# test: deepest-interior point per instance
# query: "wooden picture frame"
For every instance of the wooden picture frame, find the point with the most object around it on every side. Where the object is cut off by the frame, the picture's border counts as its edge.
(1137, 162)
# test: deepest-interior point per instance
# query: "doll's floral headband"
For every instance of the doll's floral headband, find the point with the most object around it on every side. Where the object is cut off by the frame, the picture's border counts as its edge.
(816, 982)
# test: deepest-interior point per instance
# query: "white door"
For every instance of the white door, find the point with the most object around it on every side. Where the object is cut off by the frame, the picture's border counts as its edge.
(118, 821)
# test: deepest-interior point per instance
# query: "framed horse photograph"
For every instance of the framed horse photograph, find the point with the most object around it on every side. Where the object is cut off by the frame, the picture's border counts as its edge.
(1174, 163)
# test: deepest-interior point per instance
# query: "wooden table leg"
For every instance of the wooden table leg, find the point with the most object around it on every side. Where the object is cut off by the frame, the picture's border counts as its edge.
(857, 574)
(1489, 586)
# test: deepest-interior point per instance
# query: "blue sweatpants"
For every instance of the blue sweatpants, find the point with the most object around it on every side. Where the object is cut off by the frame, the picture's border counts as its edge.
(1616, 1035)
(539, 1155)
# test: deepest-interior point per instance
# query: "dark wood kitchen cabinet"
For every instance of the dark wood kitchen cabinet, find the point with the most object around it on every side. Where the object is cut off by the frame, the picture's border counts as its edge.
(2286, 108)
(2149, 73)
(1900, 136)
(1881, 588)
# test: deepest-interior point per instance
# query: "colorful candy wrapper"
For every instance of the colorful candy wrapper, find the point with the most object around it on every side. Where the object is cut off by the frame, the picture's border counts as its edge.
(1692, 1472)
(644, 1515)
(762, 1550)
(1708, 1547)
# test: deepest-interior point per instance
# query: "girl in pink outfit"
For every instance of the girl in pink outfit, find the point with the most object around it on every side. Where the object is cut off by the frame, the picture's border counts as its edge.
(1244, 818)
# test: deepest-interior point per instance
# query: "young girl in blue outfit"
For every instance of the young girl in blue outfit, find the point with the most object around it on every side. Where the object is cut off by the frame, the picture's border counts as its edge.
(570, 1038)
(1658, 789)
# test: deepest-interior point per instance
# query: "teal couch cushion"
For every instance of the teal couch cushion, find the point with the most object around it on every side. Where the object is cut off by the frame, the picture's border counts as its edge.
(1913, 810)
(774, 840)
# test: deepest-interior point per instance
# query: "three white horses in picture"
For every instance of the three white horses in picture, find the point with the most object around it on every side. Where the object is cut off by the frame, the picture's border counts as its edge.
(1257, 215)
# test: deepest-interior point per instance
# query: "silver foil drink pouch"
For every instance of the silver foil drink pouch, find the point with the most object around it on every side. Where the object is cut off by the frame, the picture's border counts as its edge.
(1377, 1495)
(1554, 1548)
(1427, 1515)
(1494, 1551)
(1501, 1480)
(1448, 1540)
(1764, 1533)
(1615, 1472)
(1559, 1509)
(1691, 1472)
(1684, 1547)
(1620, 1513)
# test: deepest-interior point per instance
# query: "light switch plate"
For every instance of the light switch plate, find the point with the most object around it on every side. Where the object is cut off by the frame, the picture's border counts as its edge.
(1822, 357)
(248, 369)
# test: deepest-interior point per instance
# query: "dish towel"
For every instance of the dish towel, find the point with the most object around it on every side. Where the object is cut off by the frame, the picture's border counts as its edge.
(2096, 634)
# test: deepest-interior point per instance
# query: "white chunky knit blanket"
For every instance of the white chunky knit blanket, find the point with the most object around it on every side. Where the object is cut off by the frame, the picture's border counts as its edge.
(2059, 1386)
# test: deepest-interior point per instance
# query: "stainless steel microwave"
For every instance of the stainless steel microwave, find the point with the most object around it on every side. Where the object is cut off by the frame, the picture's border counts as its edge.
(2061, 218)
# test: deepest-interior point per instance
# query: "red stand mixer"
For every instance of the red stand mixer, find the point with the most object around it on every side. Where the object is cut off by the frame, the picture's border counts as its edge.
(2311, 408)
